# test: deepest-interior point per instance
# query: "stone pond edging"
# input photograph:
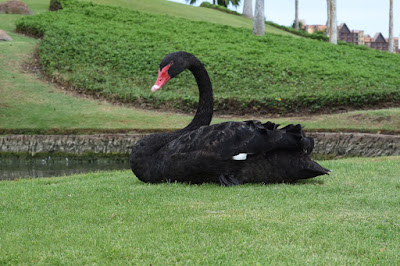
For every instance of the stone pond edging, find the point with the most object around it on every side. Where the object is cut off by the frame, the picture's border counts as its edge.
(356, 144)
(336, 144)
(74, 144)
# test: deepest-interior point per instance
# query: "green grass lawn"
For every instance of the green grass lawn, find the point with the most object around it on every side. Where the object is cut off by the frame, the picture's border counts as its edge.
(30, 105)
(115, 52)
(161, 7)
(349, 217)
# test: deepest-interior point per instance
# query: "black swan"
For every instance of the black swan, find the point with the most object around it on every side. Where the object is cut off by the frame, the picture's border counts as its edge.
(231, 153)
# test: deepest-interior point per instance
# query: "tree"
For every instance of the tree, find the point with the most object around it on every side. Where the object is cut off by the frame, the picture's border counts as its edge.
(248, 9)
(328, 17)
(332, 22)
(259, 19)
(296, 15)
(391, 41)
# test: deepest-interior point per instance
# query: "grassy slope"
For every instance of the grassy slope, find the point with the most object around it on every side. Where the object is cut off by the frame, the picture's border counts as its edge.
(29, 105)
(350, 217)
(32, 106)
(248, 72)
(188, 12)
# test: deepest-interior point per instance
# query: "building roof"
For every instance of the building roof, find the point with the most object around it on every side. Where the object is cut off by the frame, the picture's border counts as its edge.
(378, 37)
(343, 28)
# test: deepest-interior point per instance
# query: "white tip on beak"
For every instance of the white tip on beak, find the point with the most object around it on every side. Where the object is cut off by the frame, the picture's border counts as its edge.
(154, 88)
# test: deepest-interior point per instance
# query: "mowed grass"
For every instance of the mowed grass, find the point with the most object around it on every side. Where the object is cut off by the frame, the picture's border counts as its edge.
(30, 105)
(161, 7)
(273, 73)
(372, 121)
(349, 217)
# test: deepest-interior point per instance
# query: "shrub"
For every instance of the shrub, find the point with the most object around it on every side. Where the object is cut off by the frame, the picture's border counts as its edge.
(219, 8)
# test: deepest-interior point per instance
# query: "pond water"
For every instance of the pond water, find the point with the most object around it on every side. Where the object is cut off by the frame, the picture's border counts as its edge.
(19, 167)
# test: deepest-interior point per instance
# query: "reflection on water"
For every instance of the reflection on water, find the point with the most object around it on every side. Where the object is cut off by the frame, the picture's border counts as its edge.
(17, 167)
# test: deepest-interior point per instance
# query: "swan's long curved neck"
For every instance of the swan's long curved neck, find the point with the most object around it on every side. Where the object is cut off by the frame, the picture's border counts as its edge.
(205, 108)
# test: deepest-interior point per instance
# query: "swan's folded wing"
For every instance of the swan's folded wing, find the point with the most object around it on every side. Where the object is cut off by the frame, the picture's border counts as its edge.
(229, 139)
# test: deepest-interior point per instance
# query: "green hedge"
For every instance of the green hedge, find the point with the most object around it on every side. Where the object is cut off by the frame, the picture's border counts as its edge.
(219, 8)
(115, 52)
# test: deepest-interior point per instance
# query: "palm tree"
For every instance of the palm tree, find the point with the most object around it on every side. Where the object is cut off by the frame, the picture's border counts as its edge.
(391, 41)
(296, 15)
(248, 9)
(328, 17)
(259, 19)
(333, 22)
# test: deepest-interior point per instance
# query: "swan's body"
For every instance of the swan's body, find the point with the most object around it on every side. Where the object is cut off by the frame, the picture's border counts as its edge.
(231, 153)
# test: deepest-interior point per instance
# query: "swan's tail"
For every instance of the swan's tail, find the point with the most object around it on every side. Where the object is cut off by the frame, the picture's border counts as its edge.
(312, 169)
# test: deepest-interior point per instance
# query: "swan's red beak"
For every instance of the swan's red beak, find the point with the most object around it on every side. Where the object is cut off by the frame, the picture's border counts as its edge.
(163, 78)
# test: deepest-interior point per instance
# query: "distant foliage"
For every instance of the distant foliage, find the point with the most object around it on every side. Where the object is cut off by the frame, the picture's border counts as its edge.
(299, 32)
(116, 52)
(219, 8)
(225, 3)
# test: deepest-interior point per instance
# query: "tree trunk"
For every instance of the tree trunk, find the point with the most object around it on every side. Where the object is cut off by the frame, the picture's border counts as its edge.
(213, 2)
(296, 15)
(391, 40)
(333, 36)
(259, 19)
(248, 9)
(328, 17)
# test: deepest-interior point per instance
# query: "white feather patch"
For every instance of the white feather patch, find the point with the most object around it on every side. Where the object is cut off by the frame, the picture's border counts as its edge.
(240, 157)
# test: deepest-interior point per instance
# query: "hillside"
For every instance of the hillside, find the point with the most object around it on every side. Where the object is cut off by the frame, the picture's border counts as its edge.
(161, 7)
(115, 52)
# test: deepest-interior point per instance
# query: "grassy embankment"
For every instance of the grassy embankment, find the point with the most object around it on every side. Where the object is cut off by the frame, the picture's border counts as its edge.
(249, 73)
(162, 7)
(350, 217)
(32, 106)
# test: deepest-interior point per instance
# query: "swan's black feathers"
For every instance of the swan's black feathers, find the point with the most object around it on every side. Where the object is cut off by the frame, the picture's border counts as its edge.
(231, 138)
(202, 153)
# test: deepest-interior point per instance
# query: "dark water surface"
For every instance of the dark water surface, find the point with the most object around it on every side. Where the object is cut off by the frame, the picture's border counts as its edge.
(17, 167)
